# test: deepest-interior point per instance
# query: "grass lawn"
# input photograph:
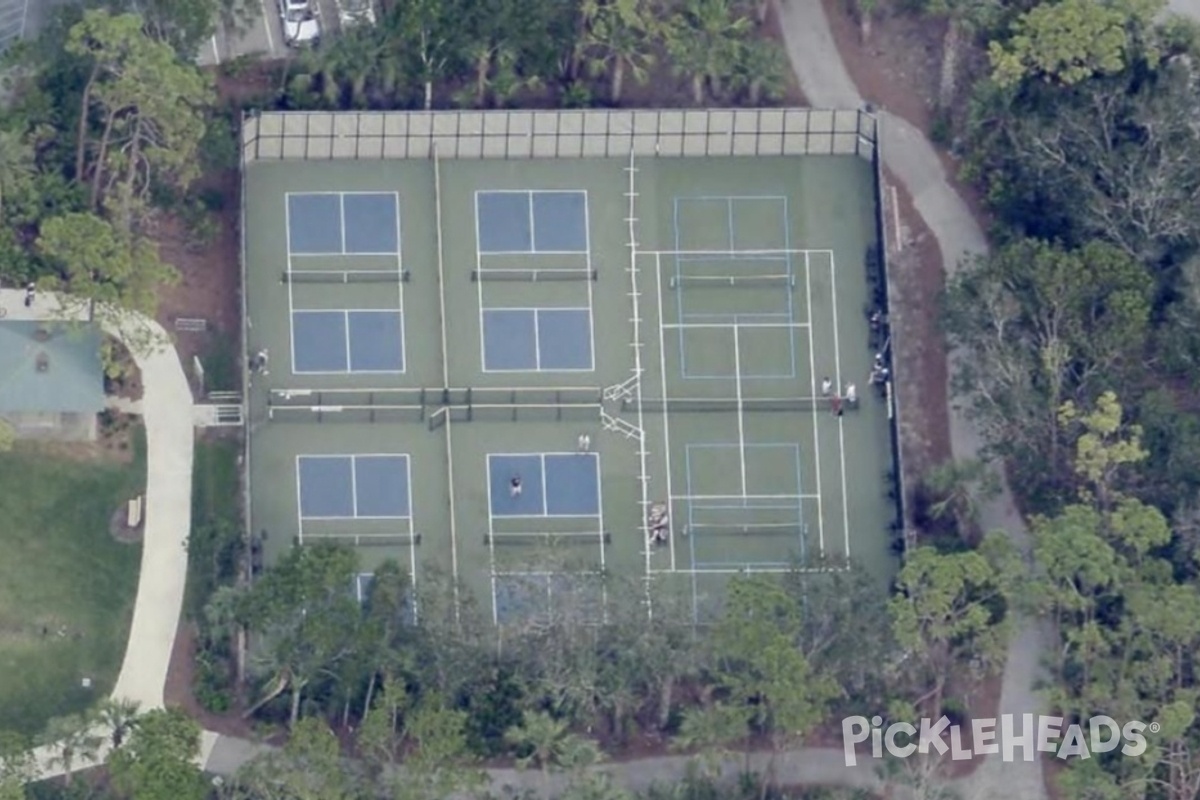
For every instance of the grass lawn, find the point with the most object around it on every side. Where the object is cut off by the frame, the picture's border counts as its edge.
(67, 587)
(213, 547)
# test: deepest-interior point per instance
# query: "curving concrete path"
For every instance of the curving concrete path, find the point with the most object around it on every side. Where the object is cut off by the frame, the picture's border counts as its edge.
(166, 409)
(911, 158)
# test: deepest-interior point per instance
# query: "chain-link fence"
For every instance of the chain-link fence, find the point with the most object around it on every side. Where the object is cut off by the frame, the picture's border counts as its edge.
(367, 135)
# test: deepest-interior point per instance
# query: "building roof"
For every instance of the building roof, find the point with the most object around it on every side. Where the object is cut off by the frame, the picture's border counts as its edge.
(50, 369)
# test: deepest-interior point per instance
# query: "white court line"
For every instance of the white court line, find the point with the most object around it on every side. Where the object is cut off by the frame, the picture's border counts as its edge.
(400, 281)
(547, 453)
(532, 224)
(802, 496)
(441, 279)
(729, 217)
(812, 366)
(780, 252)
(342, 212)
(527, 253)
(545, 501)
(546, 516)
(479, 289)
(412, 538)
(453, 513)
(666, 423)
(357, 517)
(534, 371)
(760, 569)
(587, 244)
(299, 501)
(741, 417)
(537, 340)
(837, 360)
(686, 325)
(600, 536)
(635, 296)
(287, 232)
(491, 538)
(731, 197)
(535, 308)
(348, 255)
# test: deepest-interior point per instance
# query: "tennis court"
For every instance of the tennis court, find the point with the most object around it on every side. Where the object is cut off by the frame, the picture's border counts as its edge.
(536, 373)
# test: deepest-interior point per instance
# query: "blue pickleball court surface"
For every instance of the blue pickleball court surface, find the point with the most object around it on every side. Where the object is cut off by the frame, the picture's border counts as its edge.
(347, 341)
(532, 222)
(372, 223)
(537, 339)
(314, 223)
(343, 223)
(353, 486)
(552, 484)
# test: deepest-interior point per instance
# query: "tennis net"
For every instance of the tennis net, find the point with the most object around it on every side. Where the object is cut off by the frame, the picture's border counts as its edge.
(700, 404)
(534, 275)
(345, 276)
(781, 280)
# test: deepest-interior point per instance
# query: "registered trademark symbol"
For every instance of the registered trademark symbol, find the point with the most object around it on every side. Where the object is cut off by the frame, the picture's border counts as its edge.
(1155, 727)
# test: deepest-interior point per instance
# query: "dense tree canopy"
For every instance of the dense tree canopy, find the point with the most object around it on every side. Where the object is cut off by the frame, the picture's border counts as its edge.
(576, 52)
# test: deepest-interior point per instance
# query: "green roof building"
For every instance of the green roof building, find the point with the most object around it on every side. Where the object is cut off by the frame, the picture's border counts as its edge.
(51, 379)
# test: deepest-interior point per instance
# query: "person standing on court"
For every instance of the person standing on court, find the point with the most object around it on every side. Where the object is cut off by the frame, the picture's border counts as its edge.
(30, 290)
(514, 486)
(835, 405)
(584, 443)
(826, 387)
(851, 393)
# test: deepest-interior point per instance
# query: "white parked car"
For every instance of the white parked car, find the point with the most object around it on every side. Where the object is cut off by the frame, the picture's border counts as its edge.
(300, 23)
(356, 12)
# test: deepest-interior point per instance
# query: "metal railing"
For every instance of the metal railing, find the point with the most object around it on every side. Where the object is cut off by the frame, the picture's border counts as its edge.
(521, 134)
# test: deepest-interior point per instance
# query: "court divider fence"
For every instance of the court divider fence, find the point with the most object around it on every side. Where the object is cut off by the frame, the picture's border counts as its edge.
(523, 134)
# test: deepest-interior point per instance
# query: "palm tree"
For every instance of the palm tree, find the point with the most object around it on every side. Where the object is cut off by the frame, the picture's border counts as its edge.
(709, 731)
(618, 37)
(118, 716)
(74, 740)
(548, 744)
(962, 488)
(761, 70)
(703, 40)
(16, 160)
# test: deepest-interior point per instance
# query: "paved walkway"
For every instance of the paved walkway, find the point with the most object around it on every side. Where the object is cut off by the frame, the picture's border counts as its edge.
(166, 408)
(911, 158)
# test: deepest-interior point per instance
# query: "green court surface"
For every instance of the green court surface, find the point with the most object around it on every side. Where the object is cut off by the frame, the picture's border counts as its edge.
(501, 367)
